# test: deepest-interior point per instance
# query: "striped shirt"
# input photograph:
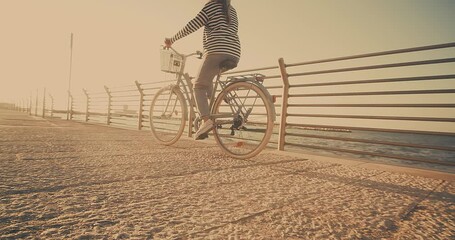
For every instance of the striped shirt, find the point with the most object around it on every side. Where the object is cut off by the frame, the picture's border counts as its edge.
(219, 35)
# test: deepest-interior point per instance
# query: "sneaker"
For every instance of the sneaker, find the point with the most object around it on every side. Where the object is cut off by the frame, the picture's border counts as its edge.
(204, 129)
(203, 136)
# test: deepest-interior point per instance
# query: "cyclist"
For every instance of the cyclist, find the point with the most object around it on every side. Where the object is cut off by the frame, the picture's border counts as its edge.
(220, 43)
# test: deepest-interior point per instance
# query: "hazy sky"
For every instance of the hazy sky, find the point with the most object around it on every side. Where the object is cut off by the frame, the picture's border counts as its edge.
(117, 41)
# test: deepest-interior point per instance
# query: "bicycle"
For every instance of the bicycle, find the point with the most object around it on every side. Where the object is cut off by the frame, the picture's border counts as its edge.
(242, 109)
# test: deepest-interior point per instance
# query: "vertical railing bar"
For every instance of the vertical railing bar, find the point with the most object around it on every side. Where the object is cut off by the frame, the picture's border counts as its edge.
(109, 105)
(141, 105)
(188, 91)
(87, 103)
(71, 105)
(44, 103)
(31, 103)
(36, 103)
(52, 105)
(284, 105)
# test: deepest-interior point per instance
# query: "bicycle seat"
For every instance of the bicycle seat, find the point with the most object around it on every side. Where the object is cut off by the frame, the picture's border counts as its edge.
(227, 65)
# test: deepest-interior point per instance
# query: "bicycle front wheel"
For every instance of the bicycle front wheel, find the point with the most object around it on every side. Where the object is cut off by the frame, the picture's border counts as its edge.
(168, 113)
(244, 118)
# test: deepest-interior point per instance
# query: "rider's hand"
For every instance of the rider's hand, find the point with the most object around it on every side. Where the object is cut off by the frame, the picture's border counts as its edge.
(167, 42)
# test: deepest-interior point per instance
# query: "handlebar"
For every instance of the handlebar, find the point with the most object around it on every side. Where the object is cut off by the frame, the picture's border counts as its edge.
(198, 53)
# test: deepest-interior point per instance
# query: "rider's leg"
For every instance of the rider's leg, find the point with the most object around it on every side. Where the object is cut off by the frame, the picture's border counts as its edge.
(204, 81)
(204, 84)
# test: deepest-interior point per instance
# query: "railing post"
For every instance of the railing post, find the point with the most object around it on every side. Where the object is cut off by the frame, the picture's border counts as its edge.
(141, 105)
(191, 102)
(31, 103)
(109, 105)
(70, 110)
(44, 103)
(69, 101)
(52, 105)
(87, 103)
(36, 103)
(284, 105)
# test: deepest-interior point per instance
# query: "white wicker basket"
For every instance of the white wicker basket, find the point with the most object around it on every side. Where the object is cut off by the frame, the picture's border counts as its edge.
(170, 61)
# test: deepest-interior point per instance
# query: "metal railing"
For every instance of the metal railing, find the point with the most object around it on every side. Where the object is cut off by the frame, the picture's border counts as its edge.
(122, 106)
(383, 104)
(349, 97)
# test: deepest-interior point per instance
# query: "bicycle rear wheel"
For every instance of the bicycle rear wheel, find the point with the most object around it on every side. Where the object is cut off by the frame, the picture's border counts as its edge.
(168, 113)
(244, 118)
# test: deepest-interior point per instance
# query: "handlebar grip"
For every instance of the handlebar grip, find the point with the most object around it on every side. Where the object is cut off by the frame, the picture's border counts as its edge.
(200, 54)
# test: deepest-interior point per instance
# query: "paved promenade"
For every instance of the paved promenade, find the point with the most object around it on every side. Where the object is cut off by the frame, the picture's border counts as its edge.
(68, 180)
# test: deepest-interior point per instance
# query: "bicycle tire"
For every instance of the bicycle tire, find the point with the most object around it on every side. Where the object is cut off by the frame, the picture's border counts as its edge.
(251, 137)
(168, 114)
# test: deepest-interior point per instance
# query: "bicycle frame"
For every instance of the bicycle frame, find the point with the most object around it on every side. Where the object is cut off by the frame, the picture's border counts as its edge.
(240, 107)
